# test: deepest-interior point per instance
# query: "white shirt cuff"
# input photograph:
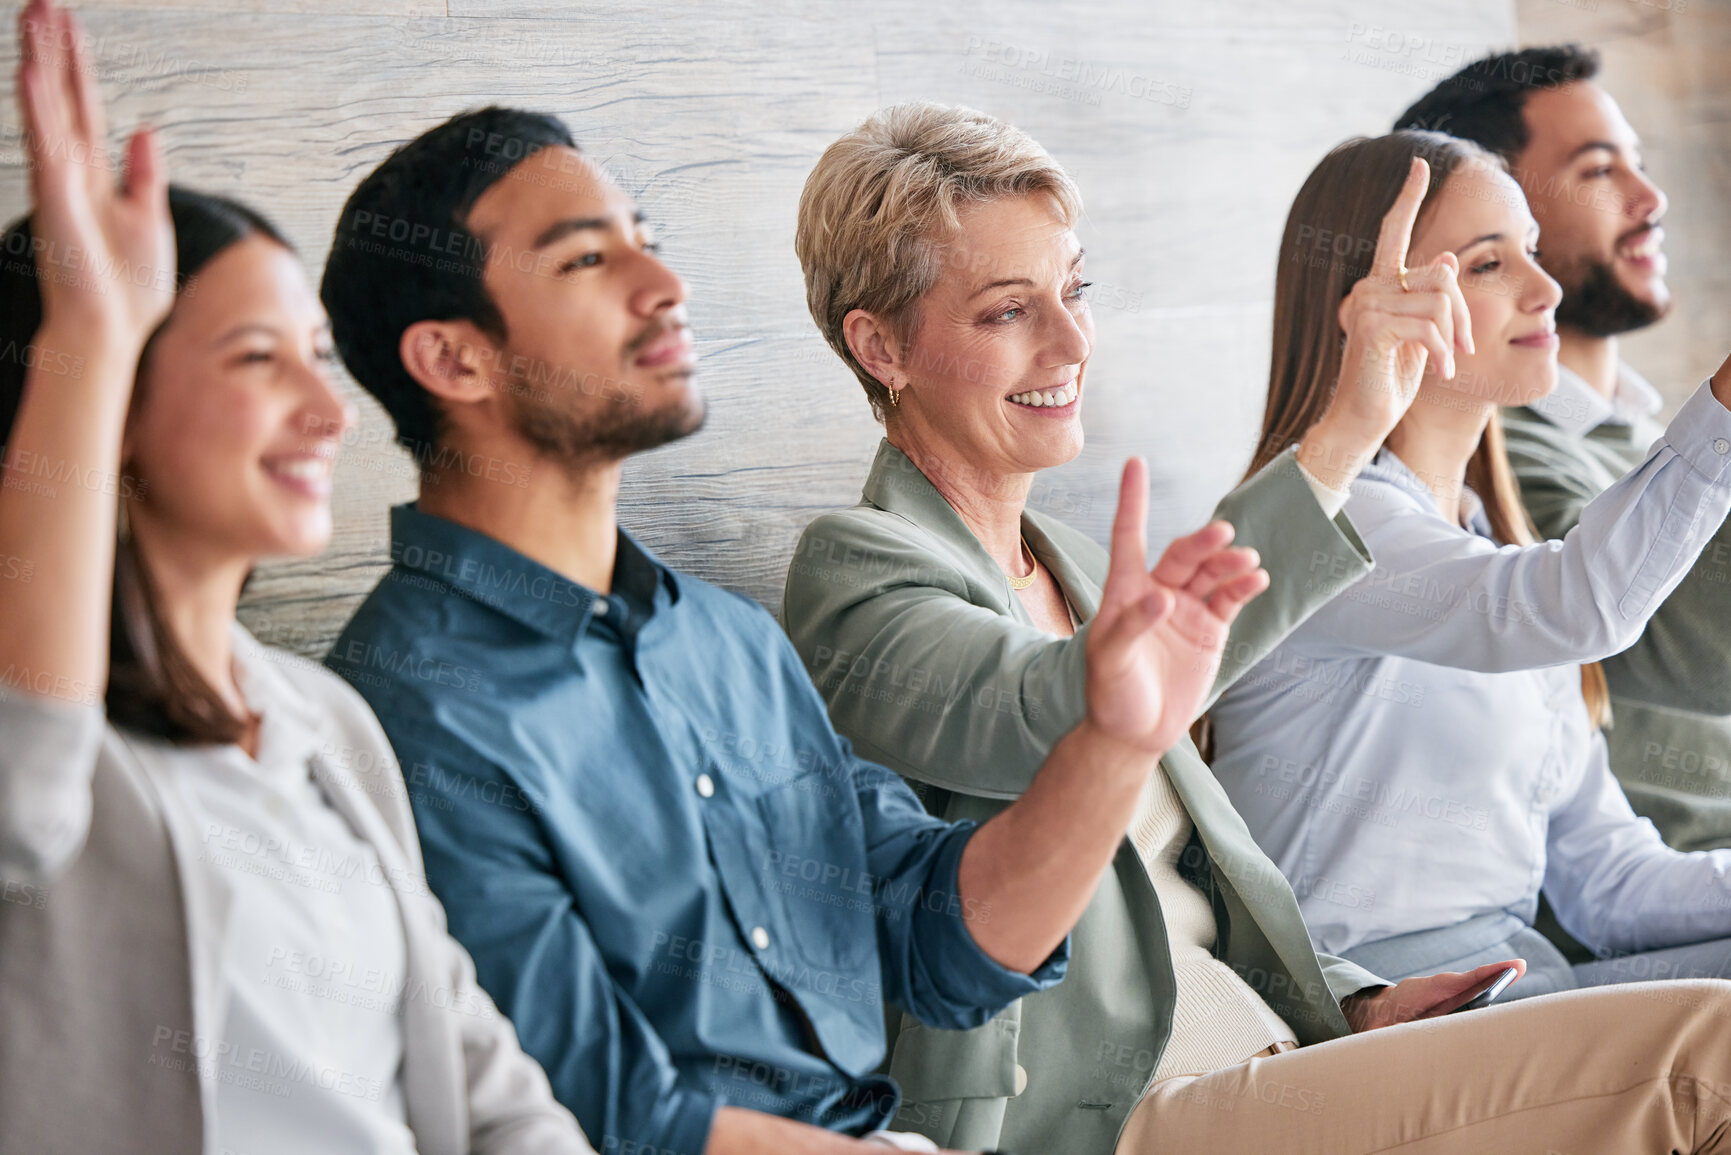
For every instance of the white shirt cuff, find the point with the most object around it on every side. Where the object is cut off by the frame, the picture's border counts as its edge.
(1331, 500)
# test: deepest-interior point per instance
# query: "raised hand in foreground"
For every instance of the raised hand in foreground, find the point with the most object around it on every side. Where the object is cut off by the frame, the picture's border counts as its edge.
(1155, 645)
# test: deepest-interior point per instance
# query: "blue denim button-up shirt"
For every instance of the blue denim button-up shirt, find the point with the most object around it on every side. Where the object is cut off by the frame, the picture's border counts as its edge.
(681, 885)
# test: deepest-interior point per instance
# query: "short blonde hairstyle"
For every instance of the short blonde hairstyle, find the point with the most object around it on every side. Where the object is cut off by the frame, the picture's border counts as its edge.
(877, 210)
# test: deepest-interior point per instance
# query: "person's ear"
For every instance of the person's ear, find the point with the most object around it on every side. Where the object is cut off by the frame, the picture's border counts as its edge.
(452, 360)
(873, 345)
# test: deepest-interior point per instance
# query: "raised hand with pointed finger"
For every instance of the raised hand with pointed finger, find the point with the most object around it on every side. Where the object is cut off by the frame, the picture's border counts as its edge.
(1397, 322)
(1155, 645)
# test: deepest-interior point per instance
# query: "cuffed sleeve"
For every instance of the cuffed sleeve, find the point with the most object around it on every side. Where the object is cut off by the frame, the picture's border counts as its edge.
(1330, 499)
(1345, 978)
(932, 965)
(1310, 555)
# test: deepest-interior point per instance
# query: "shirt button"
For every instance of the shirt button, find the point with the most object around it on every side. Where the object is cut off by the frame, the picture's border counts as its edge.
(706, 786)
(1021, 1079)
(759, 938)
(1722, 446)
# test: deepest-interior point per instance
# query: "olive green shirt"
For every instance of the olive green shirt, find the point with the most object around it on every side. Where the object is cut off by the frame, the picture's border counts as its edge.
(931, 665)
(1670, 735)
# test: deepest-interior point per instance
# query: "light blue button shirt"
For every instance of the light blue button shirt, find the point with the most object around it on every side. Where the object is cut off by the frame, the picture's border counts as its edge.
(1418, 752)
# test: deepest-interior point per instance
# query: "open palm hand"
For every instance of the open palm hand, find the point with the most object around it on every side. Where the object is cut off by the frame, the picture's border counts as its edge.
(1155, 645)
(105, 249)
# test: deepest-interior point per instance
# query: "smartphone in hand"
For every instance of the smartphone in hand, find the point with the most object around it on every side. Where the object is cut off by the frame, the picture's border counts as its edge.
(1489, 993)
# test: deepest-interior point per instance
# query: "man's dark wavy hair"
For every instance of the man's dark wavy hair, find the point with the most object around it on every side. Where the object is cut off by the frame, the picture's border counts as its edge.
(1484, 101)
(403, 252)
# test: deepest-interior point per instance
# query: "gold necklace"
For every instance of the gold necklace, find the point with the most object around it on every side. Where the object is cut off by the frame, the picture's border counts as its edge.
(1022, 583)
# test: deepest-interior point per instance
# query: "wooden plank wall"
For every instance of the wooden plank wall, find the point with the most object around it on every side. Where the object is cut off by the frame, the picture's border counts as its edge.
(1668, 63)
(1188, 125)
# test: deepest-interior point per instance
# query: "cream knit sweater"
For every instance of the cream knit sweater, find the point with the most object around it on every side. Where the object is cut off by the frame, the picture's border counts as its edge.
(1219, 1021)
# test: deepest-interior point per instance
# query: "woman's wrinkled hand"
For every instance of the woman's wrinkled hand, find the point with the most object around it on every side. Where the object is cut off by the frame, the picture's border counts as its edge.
(1154, 647)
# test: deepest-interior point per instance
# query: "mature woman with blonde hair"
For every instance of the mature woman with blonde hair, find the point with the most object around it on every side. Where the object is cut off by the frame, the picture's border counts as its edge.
(1425, 753)
(944, 622)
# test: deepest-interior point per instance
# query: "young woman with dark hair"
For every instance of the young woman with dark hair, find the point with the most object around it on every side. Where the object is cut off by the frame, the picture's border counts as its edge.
(219, 935)
(1424, 754)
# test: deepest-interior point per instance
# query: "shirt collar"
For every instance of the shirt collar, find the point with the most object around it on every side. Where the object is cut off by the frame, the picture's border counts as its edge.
(291, 727)
(1387, 467)
(1577, 408)
(488, 571)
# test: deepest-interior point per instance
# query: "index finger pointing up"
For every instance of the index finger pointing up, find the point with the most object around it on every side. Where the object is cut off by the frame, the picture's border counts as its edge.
(1396, 234)
(1129, 560)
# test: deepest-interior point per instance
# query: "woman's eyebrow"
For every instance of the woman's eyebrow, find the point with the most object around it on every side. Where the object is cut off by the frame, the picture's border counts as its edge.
(1074, 261)
(245, 328)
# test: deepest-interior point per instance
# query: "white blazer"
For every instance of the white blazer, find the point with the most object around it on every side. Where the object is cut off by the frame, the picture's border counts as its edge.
(109, 964)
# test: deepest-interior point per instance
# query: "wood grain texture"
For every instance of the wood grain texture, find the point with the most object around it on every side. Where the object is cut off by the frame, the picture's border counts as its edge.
(1189, 127)
(1668, 63)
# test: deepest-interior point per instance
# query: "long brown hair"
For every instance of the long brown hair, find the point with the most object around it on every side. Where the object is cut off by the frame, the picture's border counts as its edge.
(1327, 247)
(153, 687)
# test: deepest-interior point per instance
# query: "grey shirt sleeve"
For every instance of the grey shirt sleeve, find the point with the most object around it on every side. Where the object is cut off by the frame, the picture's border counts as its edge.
(47, 760)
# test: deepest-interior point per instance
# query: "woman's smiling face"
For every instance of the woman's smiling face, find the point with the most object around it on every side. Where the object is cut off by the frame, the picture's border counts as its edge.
(236, 431)
(1481, 216)
(998, 348)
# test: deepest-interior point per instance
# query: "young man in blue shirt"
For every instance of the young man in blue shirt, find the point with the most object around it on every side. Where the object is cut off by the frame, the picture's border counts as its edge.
(687, 892)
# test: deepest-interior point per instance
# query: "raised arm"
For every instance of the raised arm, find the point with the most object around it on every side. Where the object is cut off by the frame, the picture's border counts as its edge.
(1682, 659)
(54, 627)
(1395, 321)
(1441, 595)
(74, 408)
(953, 694)
(1151, 656)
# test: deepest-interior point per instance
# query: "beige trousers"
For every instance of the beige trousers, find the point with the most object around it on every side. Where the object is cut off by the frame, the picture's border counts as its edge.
(1643, 1069)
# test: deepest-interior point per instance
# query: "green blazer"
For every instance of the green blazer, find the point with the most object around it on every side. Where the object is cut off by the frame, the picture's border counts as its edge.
(1670, 738)
(931, 666)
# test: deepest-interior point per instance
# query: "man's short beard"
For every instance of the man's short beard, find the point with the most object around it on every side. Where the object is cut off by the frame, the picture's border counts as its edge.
(1599, 305)
(613, 431)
